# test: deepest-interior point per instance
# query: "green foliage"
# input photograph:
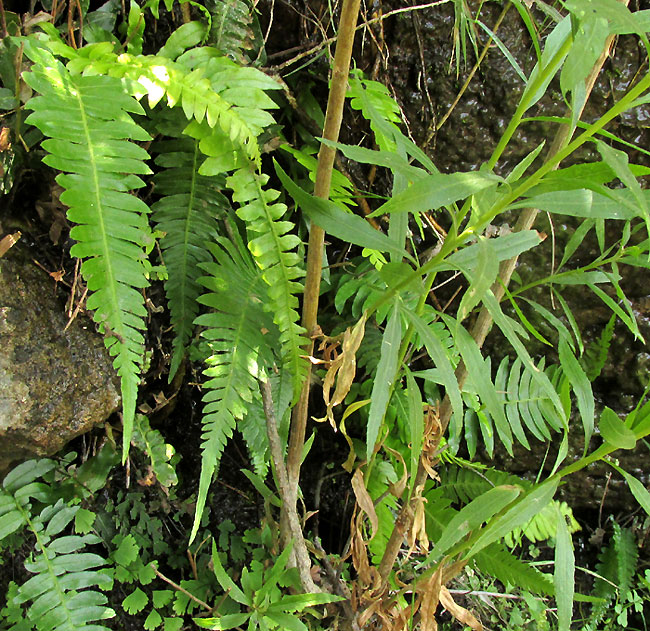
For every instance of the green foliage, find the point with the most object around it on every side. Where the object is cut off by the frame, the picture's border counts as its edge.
(234, 331)
(90, 140)
(260, 592)
(61, 594)
(232, 254)
(186, 213)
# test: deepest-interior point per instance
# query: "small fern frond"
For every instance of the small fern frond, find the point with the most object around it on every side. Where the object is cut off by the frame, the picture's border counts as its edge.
(500, 563)
(187, 215)
(89, 129)
(59, 593)
(273, 247)
(235, 335)
(234, 27)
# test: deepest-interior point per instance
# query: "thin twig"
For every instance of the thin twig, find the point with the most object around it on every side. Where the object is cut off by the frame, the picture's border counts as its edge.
(331, 40)
(180, 589)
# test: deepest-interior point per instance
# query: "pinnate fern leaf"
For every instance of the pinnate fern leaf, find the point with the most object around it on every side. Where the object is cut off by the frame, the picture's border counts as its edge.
(60, 594)
(89, 129)
(235, 335)
(187, 214)
(233, 23)
(273, 247)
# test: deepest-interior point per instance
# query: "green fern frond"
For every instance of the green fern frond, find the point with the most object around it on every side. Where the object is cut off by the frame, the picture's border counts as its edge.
(595, 355)
(234, 27)
(273, 247)
(187, 215)
(627, 556)
(60, 594)
(205, 84)
(235, 336)
(89, 127)
(500, 563)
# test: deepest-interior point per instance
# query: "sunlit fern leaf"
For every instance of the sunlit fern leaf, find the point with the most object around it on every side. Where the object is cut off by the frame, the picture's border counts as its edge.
(187, 214)
(236, 103)
(500, 563)
(234, 27)
(273, 246)
(89, 127)
(61, 595)
(235, 335)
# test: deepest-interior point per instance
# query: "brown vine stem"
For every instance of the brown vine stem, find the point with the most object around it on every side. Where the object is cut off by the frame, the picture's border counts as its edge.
(326, 155)
(479, 332)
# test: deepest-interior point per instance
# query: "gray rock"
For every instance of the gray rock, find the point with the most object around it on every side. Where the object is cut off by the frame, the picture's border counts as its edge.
(54, 384)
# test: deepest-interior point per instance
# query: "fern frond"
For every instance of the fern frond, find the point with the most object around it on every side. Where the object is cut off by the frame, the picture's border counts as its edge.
(235, 336)
(187, 215)
(151, 442)
(500, 563)
(60, 591)
(205, 84)
(89, 127)
(233, 27)
(273, 247)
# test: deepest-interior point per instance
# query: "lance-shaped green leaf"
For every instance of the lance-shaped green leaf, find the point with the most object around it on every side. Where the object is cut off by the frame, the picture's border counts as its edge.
(335, 221)
(385, 376)
(581, 387)
(564, 575)
(437, 190)
(473, 515)
(523, 510)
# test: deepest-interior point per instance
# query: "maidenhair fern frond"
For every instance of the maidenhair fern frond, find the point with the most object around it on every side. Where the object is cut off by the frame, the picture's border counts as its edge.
(187, 215)
(235, 333)
(89, 129)
(273, 246)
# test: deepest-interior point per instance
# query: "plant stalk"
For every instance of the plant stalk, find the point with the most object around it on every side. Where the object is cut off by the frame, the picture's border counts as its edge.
(326, 155)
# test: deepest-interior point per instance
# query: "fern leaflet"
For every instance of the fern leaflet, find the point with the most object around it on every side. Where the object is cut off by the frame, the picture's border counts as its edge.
(89, 127)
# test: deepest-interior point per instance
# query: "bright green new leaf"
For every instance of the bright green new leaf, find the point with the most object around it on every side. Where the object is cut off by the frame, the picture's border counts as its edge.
(437, 190)
(386, 372)
(564, 575)
(474, 514)
(227, 584)
(615, 431)
(229, 621)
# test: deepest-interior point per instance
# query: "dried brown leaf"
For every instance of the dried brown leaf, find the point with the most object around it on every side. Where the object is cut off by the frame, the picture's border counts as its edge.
(365, 501)
(460, 613)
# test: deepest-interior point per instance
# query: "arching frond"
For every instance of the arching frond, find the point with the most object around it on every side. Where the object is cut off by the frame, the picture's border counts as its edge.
(89, 129)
